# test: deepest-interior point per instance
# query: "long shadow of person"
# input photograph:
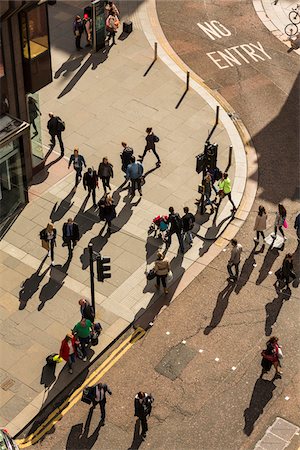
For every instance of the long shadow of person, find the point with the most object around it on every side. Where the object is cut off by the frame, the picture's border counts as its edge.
(31, 285)
(99, 243)
(211, 235)
(124, 215)
(57, 275)
(152, 245)
(220, 308)
(72, 63)
(79, 438)
(48, 376)
(246, 271)
(86, 219)
(269, 260)
(137, 437)
(261, 395)
(58, 211)
(273, 309)
(41, 176)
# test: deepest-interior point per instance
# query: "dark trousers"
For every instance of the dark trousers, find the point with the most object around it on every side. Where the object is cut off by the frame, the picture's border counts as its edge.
(83, 343)
(179, 237)
(280, 229)
(258, 233)
(93, 191)
(112, 34)
(71, 360)
(53, 142)
(154, 151)
(144, 424)
(77, 41)
(70, 243)
(78, 175)
(102, 408)
(105, 182)
(51, 249)
(136, 184)
(163, 279)
(229, 268)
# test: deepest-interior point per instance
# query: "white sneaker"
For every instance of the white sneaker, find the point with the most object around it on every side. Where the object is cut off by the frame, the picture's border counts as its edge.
(49, 253)
(84, 359)
(285, 238)
(52, 263)
(255, 240)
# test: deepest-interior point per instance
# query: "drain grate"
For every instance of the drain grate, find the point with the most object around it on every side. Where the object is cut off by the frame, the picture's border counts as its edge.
(175, 361)
(7, 384)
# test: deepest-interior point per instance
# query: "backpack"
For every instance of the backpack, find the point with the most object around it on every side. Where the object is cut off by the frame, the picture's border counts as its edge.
(156, 138)
(147, 405)
(61, 126)
(177, 221)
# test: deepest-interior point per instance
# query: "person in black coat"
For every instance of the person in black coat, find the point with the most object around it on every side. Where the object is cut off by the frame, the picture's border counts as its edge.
(99, 396)
(90, 182)
(107, 210)
(86, 310)
(55, 127)
(151, 140)
(70, 232)
(142, 409)
(288, 269)
(175, 223)
(126, 157)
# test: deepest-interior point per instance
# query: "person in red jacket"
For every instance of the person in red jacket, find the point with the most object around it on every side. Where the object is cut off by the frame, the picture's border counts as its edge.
(68, 350)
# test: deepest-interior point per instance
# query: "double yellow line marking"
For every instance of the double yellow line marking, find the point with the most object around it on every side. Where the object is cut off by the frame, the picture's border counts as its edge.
(95, 377)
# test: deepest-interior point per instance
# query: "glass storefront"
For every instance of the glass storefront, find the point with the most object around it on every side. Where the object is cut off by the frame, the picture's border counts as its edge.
(35, 129)
(11, 181)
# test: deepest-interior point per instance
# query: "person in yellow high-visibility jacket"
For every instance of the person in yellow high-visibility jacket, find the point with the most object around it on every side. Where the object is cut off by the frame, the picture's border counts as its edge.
(225, 190)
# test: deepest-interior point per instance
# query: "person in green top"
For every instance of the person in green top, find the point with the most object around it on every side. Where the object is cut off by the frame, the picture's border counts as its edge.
(225, 188)
(83, 330)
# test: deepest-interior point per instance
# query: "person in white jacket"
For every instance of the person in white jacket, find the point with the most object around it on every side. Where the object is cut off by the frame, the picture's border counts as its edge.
(260, 223)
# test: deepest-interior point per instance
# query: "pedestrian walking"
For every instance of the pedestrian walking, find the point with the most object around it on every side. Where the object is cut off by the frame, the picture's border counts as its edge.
(78, 162)
(111, 8)
(34, 112)
(286, 271)
(175, 227)
(82, 331)
(70, 233)
(134, 173)
(86, 310)
(142, 409)
(225, 190)
(151, 140)
(78, 29)
(271, 356)
(161, 269)
(234, 260)
(90, 182)
(280, 221)
(112, 25)
(55, 127)
(107, 210)
(99, 397)
(297, 226)
(188, 221)
(48, 238)
(87, 24)
(216, 175)
(126, 156)
(105, 172)
(207, 188)
(68, 350)
(260, 223)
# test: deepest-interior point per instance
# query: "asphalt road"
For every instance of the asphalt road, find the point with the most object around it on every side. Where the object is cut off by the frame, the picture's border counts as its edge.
(201, 360)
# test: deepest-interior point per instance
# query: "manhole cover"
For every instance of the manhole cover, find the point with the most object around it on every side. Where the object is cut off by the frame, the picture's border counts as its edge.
(7, 384)
(175, 361)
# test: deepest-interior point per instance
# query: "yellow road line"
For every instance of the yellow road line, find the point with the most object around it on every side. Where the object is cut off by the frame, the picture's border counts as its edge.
(59, 412)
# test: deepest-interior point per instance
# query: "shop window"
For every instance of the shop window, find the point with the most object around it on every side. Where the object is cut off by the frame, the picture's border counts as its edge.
(35, 129)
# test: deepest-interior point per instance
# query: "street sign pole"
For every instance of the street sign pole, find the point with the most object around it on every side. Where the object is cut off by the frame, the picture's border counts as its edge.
(92, 277)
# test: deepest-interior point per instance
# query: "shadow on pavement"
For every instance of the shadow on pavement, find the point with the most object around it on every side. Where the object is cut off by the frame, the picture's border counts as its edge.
(31, 285)
(73, 63)
(269, 260)
(79, 438)
(220, 308)
(273, 309)
(261, 395)
(57, 275)
(58, 211)
(246, 271)
(137, 438)
(43, 174)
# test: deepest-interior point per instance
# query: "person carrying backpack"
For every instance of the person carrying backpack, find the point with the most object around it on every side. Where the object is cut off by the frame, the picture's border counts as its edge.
(55, 127)
(175, 223)
(112, 25)
(188, 221)
(126, 156)
(151, 140)
(142, 409)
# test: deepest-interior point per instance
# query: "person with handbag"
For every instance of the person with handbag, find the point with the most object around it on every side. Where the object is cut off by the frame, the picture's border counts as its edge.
(225, 190)
(271, 356)
(78, 29)
(99, 397)
(142, 409)
(280, 221)
(70, 233)
(151, 140)
(55, 127)
(161, 269)
(112, 25)
(48, 238)
(68, 350)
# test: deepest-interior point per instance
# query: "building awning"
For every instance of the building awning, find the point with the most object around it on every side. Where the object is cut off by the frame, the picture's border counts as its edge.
(11, 128)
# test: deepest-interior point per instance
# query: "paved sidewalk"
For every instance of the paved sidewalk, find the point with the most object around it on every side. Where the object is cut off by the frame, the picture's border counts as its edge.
(104, 99)
(275, 16)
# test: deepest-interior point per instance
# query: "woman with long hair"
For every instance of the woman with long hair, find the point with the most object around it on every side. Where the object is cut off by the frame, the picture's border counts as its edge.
(279, 221)
(48, 238)
(271, 356)
(260, 223)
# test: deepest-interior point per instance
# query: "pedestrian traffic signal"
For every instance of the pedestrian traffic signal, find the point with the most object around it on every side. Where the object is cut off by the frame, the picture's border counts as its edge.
(211, 154)
(102, 268)
(200, 163)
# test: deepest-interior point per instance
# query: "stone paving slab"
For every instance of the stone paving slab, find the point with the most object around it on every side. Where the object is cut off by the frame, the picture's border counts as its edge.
(278, 436)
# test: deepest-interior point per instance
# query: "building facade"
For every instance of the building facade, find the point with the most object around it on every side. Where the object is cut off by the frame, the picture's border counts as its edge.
(25, 67)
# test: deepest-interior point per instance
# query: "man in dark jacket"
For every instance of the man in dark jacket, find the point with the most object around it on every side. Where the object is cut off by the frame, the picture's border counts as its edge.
(142, 409)
(126, 156)
(78, 162)
(86, 310)
(151, 139)
(100, 397)
(70, 234)
(55, 126)
(175, 222)
(78, 30)
(90, 181)
(188, 220)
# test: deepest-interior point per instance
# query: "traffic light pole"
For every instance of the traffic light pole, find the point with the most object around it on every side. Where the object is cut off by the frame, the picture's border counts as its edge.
(92, 277)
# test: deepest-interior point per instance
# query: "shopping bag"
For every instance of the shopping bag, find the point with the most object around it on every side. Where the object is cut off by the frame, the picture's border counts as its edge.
(45, 244)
